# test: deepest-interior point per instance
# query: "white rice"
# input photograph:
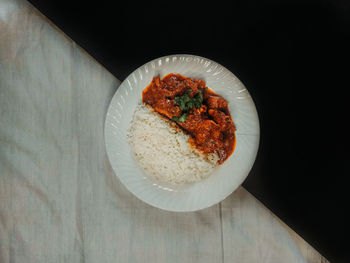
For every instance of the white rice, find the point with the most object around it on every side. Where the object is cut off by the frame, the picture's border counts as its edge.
(163, 152)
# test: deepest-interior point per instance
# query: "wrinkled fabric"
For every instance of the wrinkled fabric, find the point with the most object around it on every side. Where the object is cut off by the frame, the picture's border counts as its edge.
(59, 198)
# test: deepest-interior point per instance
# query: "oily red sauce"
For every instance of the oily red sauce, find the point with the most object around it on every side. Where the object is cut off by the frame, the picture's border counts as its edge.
(210, 126)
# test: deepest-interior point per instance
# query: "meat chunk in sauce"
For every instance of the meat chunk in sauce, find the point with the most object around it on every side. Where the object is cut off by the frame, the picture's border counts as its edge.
(225, 122)
(167, 108)
(194, 119)
(210, 125)
(208, 129)
(216, 102)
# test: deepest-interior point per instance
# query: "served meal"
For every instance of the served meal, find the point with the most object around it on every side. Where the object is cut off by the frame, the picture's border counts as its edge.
(182, 131)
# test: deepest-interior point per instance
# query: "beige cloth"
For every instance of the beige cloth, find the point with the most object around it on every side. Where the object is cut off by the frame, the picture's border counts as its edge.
(59, 198)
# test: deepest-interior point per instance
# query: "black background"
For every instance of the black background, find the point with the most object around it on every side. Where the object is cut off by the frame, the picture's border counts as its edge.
(293, 56)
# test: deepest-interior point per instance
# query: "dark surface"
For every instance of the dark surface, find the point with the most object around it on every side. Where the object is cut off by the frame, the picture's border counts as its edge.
(293, 56)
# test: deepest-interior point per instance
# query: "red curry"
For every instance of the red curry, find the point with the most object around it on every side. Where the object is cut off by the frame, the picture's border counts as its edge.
(199, 111)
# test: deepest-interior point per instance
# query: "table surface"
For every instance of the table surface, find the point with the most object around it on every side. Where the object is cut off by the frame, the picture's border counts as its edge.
(61, 201)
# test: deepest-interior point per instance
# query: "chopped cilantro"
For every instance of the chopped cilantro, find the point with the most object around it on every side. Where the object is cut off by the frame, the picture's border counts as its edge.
(182, 118)
(186, 103)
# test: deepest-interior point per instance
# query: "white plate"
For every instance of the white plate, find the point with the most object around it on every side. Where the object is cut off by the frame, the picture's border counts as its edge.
(226, 178)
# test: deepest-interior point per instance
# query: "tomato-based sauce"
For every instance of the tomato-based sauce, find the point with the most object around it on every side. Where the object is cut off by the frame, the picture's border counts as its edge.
(202, 113)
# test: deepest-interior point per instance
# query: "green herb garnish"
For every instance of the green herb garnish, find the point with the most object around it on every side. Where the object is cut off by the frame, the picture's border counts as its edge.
(183, 100)
(182, 118)
(186, 103)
